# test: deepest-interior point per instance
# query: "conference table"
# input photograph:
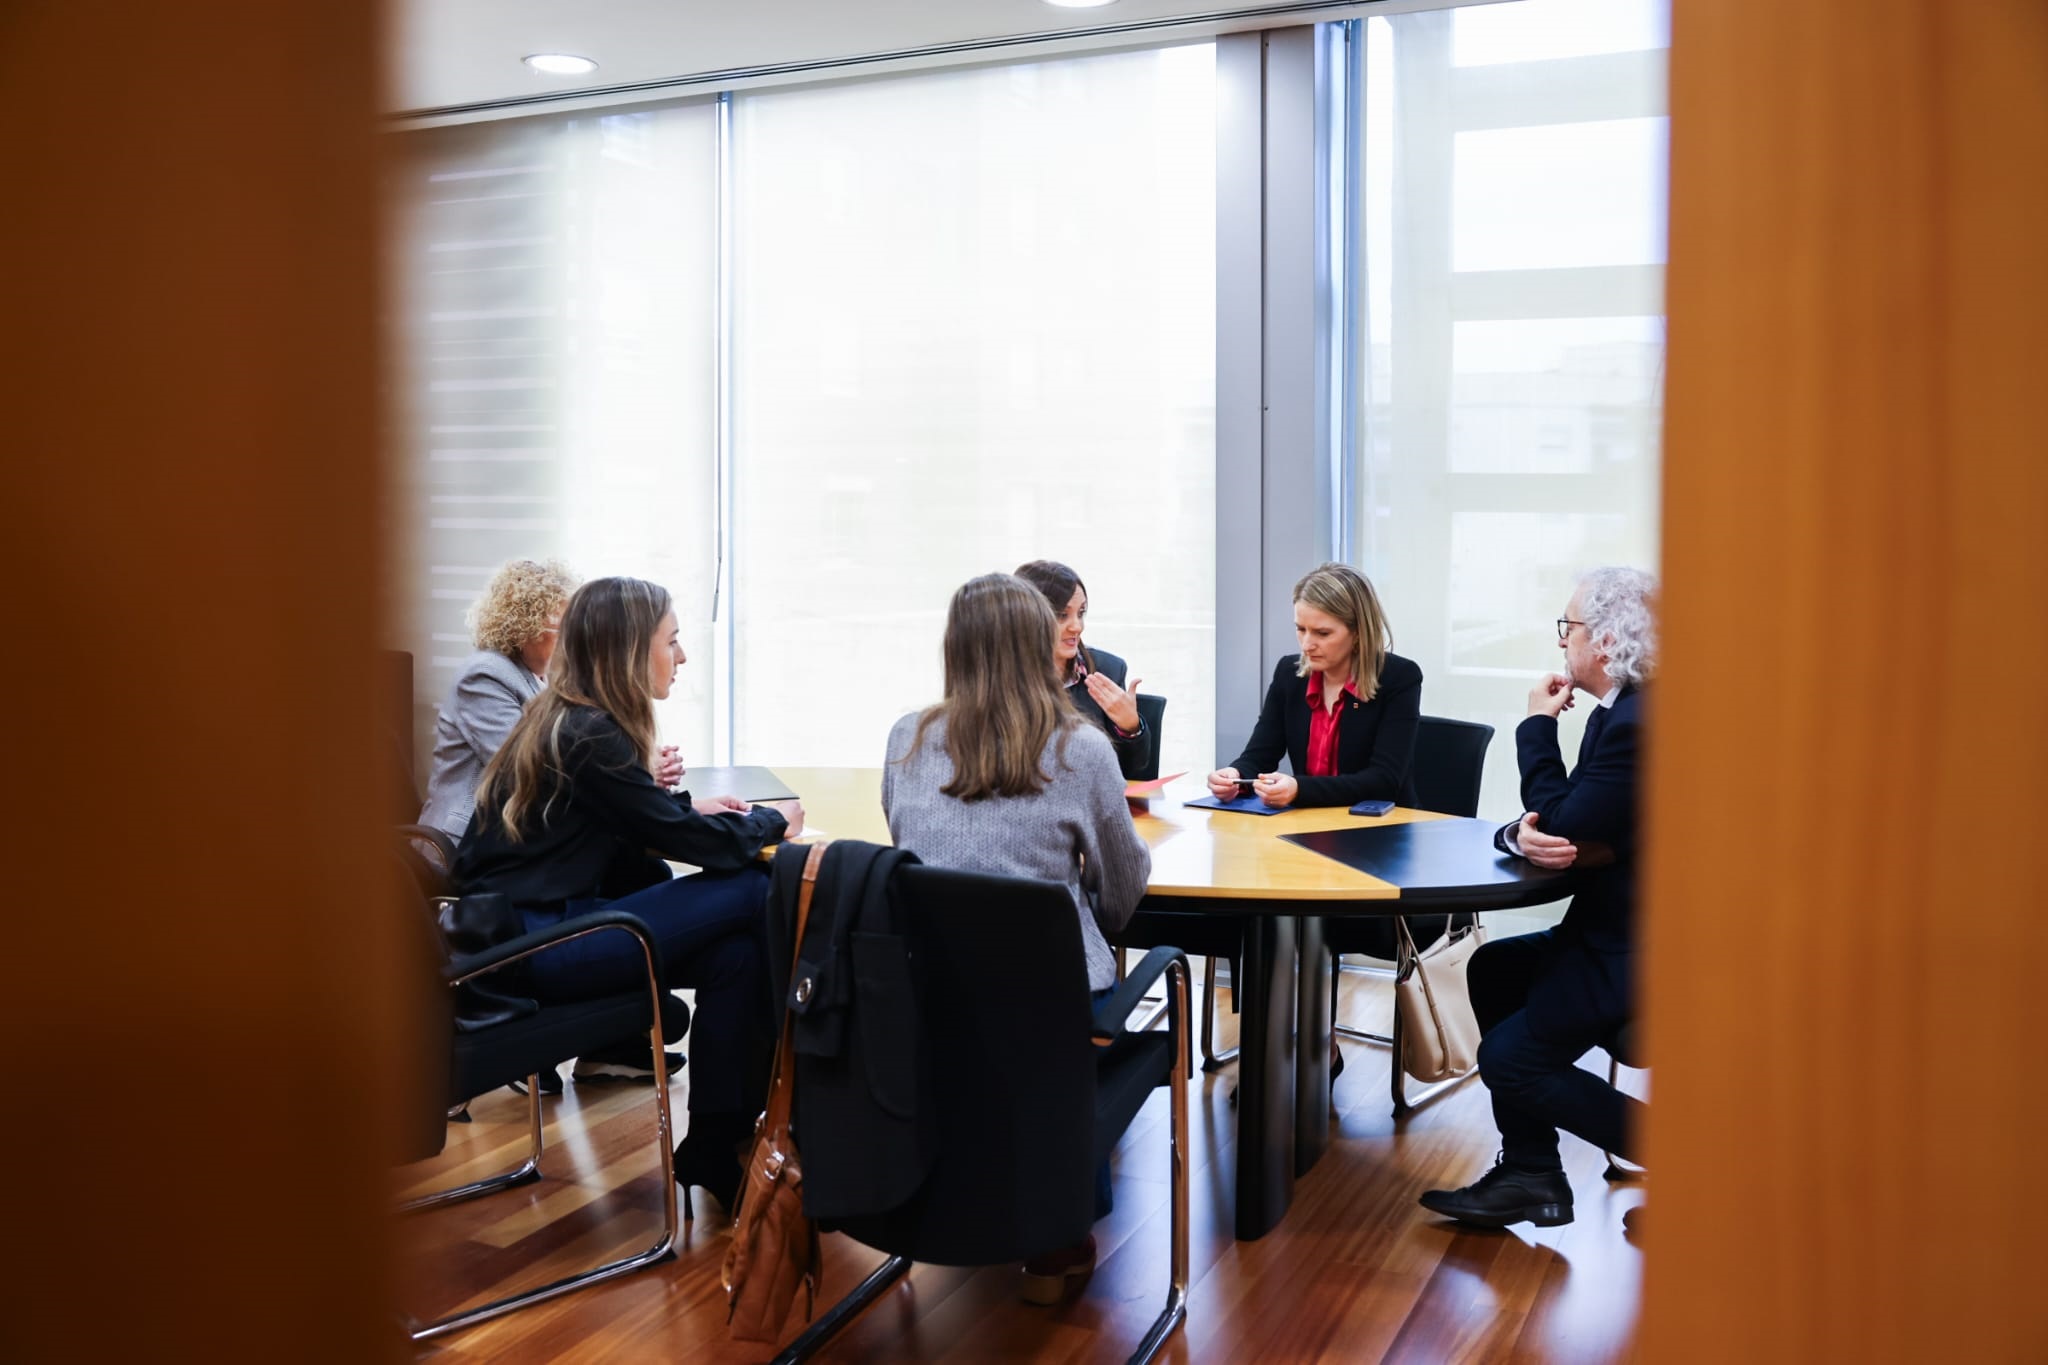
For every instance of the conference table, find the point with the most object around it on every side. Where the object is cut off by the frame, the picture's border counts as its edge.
(1231, 863)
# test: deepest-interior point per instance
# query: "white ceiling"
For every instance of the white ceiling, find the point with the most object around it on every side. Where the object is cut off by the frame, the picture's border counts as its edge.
(463, 52)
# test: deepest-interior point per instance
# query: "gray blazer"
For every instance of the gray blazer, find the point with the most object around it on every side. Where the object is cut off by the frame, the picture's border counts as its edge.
(481, 710)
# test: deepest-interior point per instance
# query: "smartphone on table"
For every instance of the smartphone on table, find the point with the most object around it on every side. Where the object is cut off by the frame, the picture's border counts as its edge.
(1372, 808)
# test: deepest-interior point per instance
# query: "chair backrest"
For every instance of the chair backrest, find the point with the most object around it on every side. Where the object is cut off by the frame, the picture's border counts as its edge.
(1005, 986)
(394, 667)
(1151, 710)
(1450, 760)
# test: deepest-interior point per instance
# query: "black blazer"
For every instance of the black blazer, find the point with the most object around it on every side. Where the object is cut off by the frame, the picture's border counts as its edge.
(1594, 803)
(863, 1058)
(1133, 755)
(594, 824)
(1375, 739)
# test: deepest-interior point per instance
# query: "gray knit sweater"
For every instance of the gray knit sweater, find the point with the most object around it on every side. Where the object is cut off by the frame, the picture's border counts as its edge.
(1076, 831)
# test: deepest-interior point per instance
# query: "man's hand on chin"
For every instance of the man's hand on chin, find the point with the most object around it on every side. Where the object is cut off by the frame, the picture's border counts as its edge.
(1551, 697)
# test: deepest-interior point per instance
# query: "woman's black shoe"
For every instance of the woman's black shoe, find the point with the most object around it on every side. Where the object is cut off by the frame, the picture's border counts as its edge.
(710, 1154)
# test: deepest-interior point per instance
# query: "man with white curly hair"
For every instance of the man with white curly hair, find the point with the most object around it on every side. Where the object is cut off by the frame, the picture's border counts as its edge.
(1544, 1000)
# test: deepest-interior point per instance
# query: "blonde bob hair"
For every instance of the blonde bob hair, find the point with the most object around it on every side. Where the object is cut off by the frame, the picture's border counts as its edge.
(601, 660)
(1004, 699)
(1343, 592)
(515, 607)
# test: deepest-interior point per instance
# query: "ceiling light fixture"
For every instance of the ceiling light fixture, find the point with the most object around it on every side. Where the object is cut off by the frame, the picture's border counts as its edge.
(560, 64)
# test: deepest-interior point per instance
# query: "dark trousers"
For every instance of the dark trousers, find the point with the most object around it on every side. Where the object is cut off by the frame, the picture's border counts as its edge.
(710, 931)
(1543, 1001)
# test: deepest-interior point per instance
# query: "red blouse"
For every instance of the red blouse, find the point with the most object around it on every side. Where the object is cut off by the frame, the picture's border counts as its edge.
(1322, 727)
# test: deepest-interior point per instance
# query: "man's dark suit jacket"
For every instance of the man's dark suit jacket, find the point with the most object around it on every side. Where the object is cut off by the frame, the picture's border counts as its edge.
(1375, 739)
(1594, 804)
(1134, 752)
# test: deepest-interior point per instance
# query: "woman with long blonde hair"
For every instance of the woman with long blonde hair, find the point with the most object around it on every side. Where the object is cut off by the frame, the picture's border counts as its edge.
(569, 818)
(1004, 776)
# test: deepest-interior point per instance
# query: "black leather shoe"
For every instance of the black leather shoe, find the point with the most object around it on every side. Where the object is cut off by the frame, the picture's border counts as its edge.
(1506, 1195)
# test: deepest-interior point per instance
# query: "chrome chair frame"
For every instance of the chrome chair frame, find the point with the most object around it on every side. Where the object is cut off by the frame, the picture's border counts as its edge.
(821, 1332)
(528, 1170)
(1212, 1060)
(1617, 1168)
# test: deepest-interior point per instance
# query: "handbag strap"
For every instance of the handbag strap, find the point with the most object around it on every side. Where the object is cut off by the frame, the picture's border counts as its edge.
(782, 1079)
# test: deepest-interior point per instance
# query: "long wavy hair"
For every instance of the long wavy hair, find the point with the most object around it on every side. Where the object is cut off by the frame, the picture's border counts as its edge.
(1004, 700)
(1059, 584)
(1343, 592)
(600, 660)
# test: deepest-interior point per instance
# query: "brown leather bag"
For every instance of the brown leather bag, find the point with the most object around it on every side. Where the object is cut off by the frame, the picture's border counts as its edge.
(774, 1247)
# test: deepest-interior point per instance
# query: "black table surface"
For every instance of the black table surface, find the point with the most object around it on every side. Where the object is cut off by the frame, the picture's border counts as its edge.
(747, 783)
(1452, 859)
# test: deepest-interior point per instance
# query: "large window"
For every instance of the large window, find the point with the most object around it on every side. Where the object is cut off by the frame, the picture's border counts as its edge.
(554, 381)
(970, 323)
(1510, 234)
(975, 326)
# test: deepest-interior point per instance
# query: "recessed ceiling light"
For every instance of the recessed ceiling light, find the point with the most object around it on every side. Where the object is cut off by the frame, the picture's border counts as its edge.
(1079, 4)
(561, 64)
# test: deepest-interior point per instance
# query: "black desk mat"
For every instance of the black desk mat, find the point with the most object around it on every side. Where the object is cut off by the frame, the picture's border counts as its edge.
(1433, 859)
(748, 784)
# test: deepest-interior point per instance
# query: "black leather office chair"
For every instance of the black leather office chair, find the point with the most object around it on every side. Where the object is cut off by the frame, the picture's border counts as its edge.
(1034, 1089)
(1151, 710)
(394, 668)
(476, 1060)
(1449, 764)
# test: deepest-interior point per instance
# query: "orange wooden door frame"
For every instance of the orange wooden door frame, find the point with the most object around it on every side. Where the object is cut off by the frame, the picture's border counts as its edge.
(1846, 926)
(198, 984)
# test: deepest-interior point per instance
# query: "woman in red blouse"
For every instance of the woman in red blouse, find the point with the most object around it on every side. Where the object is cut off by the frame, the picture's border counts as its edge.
(1344, 710)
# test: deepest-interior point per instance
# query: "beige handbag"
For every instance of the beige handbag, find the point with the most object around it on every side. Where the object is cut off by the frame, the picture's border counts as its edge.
(1439, 1033)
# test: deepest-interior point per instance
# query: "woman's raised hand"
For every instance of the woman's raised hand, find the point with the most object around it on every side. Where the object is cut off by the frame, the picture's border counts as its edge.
(668, 767)
(1120, 704)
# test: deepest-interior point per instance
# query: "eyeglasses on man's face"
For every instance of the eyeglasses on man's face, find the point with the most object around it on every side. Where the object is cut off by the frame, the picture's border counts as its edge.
(1564, 627)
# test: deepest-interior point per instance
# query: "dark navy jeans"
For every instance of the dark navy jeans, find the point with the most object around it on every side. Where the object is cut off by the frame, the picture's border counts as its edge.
(710, 928)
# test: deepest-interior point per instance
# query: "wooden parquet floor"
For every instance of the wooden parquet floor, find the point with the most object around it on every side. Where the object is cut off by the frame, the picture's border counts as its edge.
(1357, 1271)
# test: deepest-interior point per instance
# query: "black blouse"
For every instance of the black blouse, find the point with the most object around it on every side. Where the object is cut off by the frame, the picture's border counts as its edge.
(599, 825)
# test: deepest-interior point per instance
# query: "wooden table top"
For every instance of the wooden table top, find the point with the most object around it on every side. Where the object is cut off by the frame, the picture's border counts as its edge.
(1195, 851)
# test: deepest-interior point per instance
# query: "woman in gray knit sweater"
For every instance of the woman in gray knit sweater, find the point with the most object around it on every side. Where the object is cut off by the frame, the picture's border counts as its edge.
(1005, 777)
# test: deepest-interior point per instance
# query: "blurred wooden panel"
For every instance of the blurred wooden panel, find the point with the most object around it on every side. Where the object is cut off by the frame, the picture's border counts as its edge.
(1846, 928)
(197, 987)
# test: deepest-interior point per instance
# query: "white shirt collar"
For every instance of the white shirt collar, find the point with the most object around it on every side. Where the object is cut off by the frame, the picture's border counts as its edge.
(1613, 695)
